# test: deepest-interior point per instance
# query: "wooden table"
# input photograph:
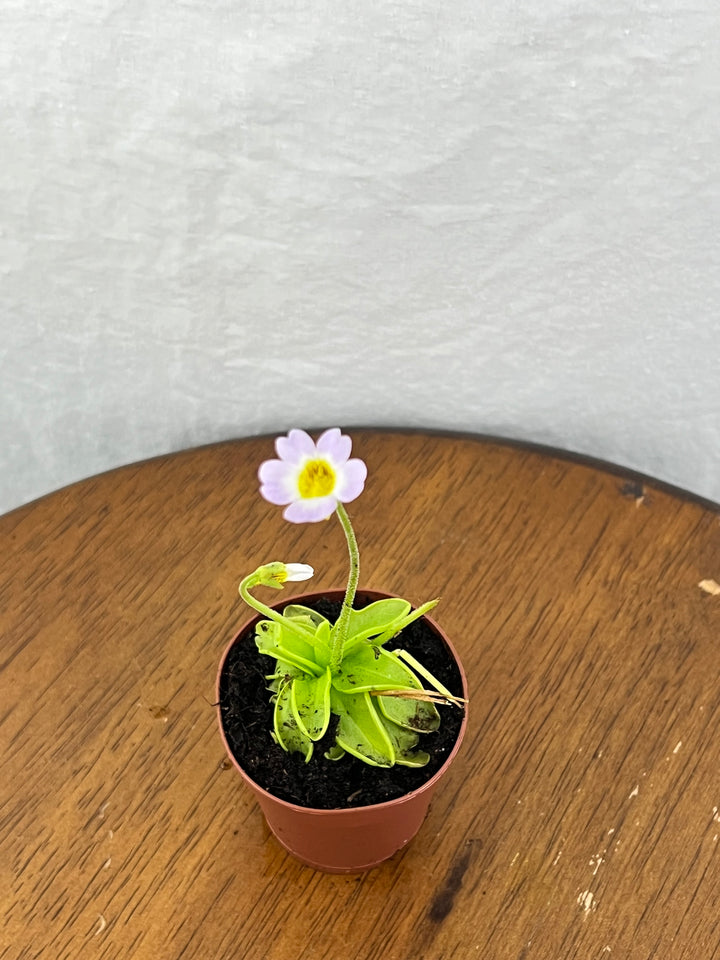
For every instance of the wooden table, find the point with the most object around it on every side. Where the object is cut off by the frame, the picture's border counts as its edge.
(582, 819)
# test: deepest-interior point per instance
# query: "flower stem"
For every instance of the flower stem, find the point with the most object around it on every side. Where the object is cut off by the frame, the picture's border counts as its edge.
(252, 581)
(343, 622)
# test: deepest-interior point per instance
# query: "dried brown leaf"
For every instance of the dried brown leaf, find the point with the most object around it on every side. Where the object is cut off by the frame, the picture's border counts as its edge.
(429, 696)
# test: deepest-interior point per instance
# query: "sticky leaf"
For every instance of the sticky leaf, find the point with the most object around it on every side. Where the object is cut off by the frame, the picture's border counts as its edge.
(287, 732)
(371, 668)
(360, 730)
(310, 704)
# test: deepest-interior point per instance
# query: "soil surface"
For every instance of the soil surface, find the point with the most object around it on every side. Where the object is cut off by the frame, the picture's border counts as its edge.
(326, 784)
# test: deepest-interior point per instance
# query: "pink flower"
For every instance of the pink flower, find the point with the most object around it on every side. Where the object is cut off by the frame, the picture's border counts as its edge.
(312, 478)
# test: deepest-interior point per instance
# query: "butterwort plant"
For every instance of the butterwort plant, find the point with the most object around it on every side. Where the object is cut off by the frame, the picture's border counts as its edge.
(343, 669)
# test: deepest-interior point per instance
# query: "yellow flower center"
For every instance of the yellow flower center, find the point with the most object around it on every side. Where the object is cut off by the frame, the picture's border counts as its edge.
(317, 479)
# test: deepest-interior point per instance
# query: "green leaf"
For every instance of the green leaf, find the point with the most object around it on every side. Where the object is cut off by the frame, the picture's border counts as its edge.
(361, 731)
(266, 635)
(310, 703)
(321, 643)
(334, 753)
(404, 741)
(283, 672)
(418, 715)
(376, 618)
(371, 668)
(273, 641)
(287, 732)
(406, 621)
(304, 615)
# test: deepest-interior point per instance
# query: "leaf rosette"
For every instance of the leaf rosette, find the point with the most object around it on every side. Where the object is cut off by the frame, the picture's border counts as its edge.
(379, 701)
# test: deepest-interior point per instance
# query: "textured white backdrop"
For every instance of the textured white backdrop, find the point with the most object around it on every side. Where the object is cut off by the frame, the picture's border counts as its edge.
(220, 219)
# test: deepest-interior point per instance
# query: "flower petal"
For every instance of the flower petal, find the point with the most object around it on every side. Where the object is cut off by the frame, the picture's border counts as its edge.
(278, 481)
(276, 493)
(310, 510)
(296, 445)
(351, 480)
(335, 445)
(274, 471)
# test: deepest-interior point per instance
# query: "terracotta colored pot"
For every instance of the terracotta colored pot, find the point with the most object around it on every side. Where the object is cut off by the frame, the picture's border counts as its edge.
(353, 839)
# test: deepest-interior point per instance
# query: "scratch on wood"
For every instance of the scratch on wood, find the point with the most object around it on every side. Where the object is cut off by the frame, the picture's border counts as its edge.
(710, 586)
(587, 901)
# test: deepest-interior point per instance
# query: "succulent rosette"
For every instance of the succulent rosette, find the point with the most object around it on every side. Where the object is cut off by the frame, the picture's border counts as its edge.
(342, 669)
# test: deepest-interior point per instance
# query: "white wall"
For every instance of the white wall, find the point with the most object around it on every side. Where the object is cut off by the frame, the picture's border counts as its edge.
(219, 219)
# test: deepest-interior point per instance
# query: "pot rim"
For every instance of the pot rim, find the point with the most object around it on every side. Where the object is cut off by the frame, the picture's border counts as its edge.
(335, 594)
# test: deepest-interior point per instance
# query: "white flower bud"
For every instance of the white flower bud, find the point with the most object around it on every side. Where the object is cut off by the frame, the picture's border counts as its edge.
(298, 571)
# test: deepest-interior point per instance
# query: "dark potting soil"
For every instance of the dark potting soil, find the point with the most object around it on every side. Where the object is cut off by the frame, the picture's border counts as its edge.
(247, 720)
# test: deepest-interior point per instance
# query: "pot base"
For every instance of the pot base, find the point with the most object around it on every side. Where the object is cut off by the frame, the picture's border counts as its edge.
(328, 868)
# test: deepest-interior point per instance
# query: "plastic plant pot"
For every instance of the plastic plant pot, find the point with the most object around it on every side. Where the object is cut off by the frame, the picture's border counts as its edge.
(347, 839)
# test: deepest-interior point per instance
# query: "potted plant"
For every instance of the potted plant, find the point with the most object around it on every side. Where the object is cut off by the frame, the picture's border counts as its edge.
(336, 730)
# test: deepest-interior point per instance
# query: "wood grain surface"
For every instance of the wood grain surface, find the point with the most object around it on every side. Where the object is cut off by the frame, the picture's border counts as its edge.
(581, 820)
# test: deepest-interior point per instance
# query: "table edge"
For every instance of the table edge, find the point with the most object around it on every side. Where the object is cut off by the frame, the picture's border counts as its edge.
(629, 474)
